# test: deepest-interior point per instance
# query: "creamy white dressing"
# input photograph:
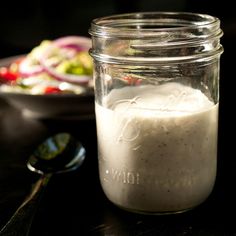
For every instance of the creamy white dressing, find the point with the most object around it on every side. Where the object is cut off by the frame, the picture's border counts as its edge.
(157, 147)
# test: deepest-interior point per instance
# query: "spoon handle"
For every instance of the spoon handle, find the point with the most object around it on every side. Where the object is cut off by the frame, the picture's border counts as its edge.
(20, 223)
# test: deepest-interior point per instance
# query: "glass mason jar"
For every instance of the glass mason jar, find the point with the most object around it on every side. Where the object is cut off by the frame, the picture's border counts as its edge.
(156, 98)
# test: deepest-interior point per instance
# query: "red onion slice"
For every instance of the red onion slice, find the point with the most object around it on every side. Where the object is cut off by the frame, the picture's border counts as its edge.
(81, 43)
(76, 42)
(71, 78)
(27, 68)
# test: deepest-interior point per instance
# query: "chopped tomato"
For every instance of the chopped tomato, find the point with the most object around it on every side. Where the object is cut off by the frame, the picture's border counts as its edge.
(7, 75)
(132, 80)
(49, 90)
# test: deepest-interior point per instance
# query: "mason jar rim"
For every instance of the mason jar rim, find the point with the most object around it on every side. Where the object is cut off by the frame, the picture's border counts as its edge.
(149, 24)
(196, 36)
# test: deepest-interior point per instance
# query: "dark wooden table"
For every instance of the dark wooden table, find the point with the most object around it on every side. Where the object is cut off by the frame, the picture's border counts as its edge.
(74, 203)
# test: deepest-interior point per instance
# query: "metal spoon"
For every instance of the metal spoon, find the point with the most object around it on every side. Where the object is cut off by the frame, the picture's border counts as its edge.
(57, 154)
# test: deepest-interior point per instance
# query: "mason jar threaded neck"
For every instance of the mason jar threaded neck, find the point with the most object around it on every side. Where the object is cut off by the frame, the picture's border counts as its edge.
(155, 37)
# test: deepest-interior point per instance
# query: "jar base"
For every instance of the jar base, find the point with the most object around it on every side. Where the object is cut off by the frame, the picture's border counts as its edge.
(143, 212)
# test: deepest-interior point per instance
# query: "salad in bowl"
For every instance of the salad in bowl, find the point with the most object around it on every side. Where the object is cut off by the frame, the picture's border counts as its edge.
(54, 80)
(56, 66)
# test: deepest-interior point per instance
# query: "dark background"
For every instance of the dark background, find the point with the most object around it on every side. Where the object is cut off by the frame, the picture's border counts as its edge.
(25, 23)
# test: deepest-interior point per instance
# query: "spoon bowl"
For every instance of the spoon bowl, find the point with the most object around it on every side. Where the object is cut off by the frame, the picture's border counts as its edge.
(57, 154)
